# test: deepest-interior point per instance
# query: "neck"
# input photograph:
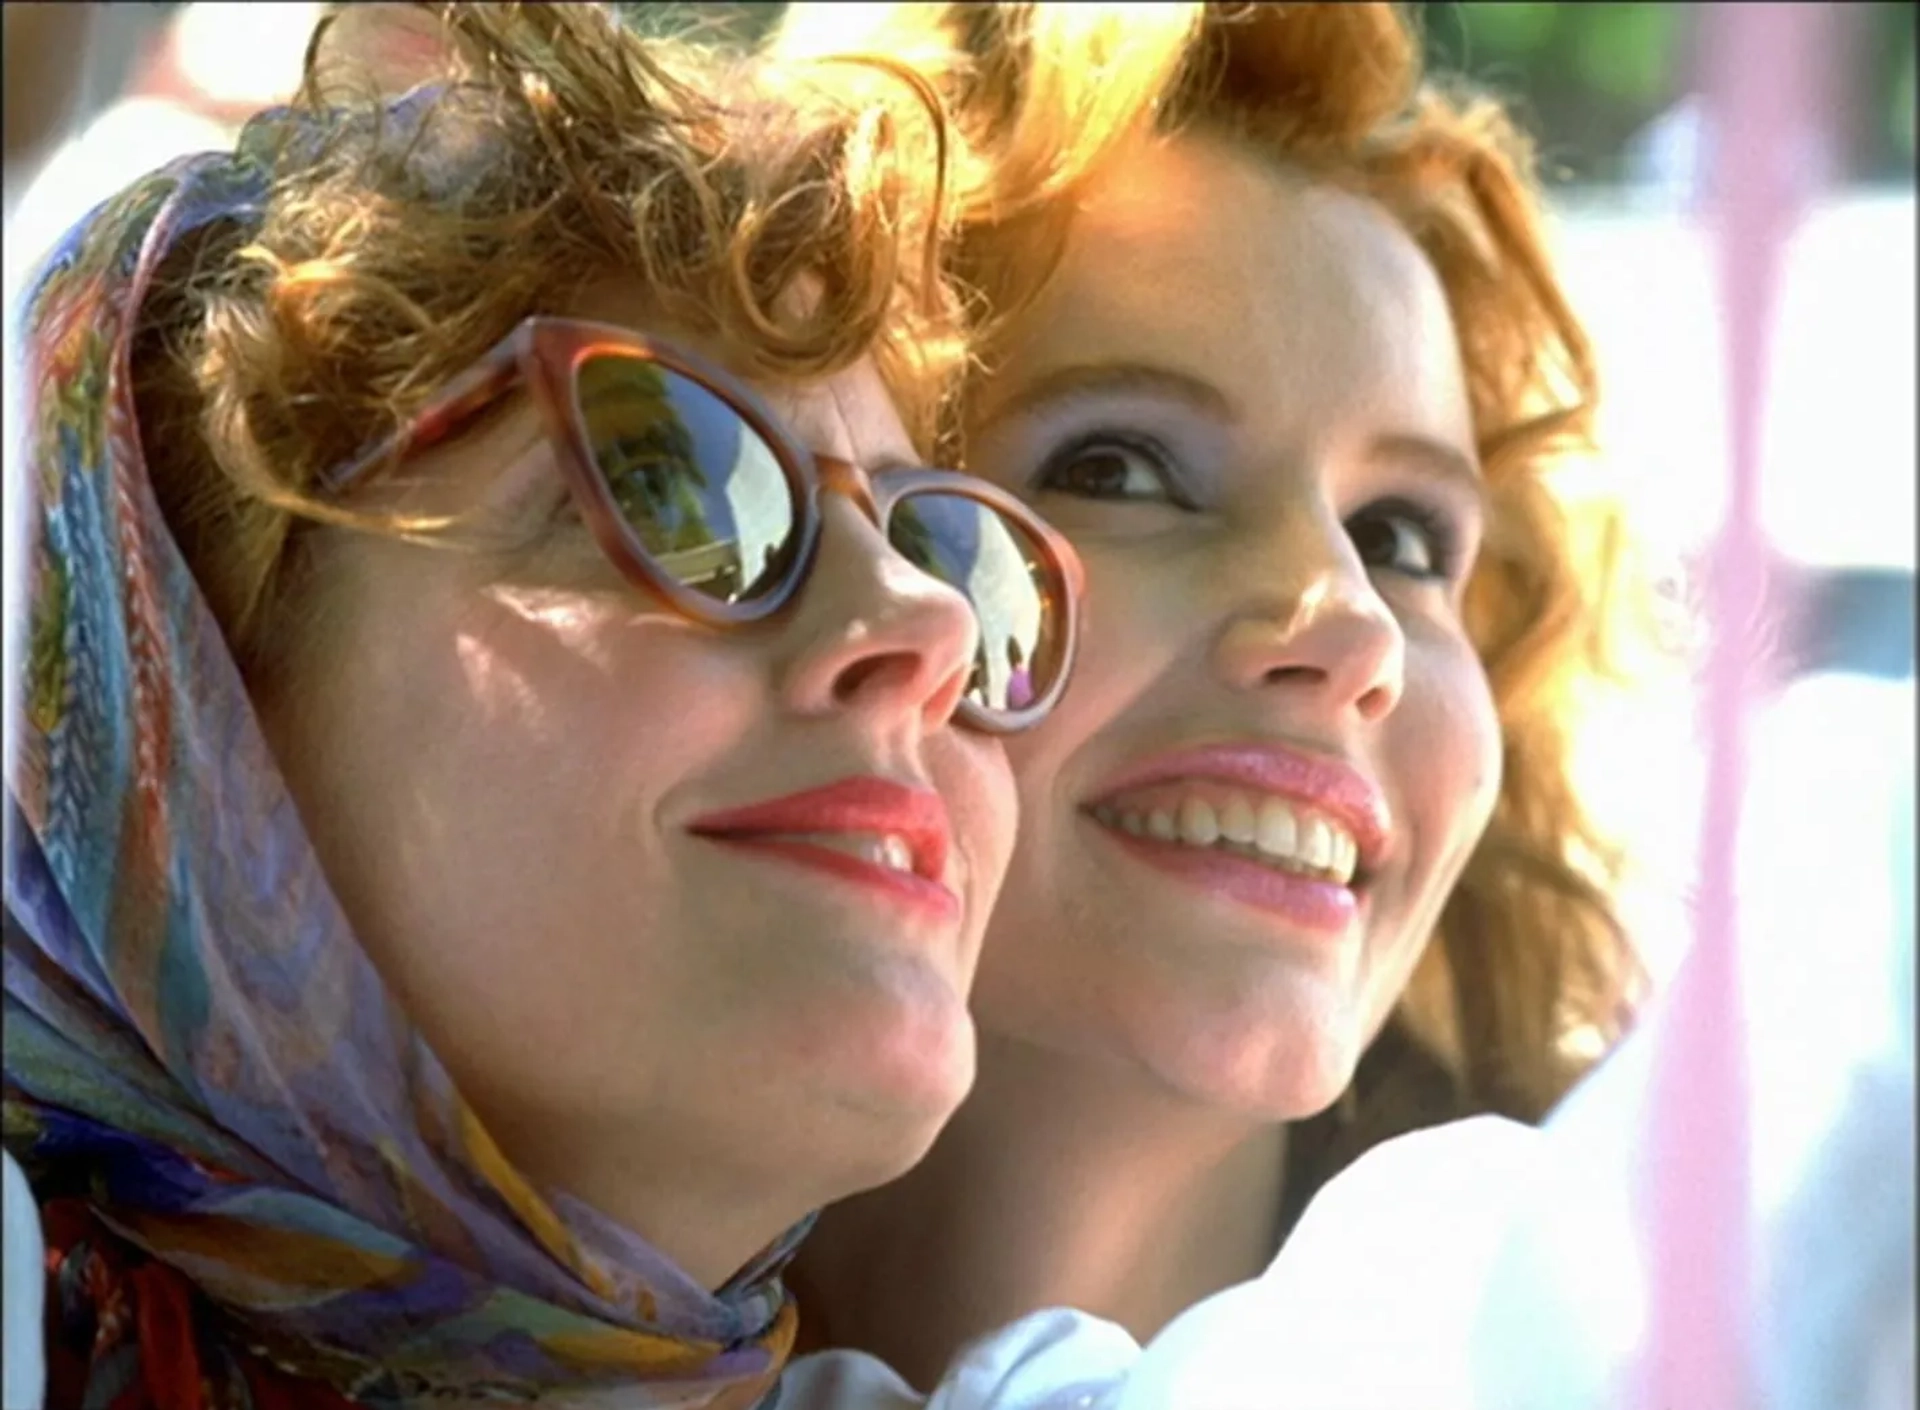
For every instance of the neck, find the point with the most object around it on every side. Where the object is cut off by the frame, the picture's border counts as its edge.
(707, 1235)
(1059, 1183)
(709, 1225)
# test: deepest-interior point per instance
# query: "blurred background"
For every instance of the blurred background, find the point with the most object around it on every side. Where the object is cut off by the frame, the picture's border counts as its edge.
(97, 94)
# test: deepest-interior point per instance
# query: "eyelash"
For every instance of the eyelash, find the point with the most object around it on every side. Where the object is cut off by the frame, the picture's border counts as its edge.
(1434, 525)
(1437, 527)
(1145, 447)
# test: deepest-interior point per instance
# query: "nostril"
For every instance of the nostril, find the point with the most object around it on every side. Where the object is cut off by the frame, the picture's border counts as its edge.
(1304, 675)
(874, 672)
(1377, 703)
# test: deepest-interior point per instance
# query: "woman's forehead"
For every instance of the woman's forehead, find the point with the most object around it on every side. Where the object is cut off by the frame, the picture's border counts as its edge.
(1221, 266)
(849, 414)
(1205, 232)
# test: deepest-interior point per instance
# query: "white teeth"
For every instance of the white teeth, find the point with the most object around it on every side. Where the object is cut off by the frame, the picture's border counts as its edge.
(1346, 854)
(1237, 821)
(1266, 828)
(884, 849)
(1279, 832)
(1317, 846)
(1199, 827)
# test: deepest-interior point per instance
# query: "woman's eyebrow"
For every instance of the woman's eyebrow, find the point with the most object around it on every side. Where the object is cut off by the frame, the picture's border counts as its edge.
(1433, 457)
(1124, 378)
(1129, 378)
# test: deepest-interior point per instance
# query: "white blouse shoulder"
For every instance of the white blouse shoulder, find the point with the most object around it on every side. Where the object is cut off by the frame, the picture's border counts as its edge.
(1370, 1304)
(23, 1352)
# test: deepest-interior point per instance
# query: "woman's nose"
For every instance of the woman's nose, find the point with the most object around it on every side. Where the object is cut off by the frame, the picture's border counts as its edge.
(1312, 623)
(875, 633)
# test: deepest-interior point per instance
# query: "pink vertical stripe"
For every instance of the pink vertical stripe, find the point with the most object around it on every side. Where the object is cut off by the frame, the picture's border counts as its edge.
(1763, 66)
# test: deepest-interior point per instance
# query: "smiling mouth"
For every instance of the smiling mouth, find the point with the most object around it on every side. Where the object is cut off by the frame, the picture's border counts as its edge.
(886, 850)
(879, 824)
(880, 864)
(1280, 833)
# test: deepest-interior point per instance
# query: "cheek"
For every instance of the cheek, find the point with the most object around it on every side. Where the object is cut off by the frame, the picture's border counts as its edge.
(1448, 751)
(975, 777)
(496, 772)
(555, 713)
(1130, 629)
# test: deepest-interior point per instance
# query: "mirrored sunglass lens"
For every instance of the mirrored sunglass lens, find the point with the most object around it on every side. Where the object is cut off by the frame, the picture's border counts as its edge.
(1002, 570)
(704, 493)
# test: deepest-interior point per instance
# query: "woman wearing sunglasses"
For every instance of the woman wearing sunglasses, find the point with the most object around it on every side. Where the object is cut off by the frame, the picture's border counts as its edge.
(506, 794)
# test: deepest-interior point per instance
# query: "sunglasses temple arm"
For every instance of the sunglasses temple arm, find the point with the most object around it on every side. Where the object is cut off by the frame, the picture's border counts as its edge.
(451, 409)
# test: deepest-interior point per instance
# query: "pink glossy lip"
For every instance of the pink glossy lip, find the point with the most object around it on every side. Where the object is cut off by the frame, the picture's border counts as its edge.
(1329, 787)
(1336, 789)
(777, 827)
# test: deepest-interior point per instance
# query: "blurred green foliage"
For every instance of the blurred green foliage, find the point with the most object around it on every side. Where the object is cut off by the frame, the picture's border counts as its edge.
(1585, 77)
(1589, 77)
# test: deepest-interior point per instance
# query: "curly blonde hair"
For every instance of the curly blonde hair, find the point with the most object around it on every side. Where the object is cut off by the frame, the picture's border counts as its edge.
(560, 148)
(1533, 972)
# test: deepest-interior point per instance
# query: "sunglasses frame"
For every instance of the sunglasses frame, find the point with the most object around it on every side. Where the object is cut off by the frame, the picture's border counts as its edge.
(545, 354)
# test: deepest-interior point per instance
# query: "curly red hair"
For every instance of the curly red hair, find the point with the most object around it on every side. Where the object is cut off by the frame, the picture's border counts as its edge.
(563, 148)
(1533, 972)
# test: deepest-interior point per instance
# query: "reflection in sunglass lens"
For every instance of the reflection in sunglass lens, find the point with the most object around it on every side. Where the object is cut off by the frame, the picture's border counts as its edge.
(705, 494)
(1002, 571)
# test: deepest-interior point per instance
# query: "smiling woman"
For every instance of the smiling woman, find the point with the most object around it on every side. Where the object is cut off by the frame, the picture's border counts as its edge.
(1342, 411)
(501, 829)
(1273, 338)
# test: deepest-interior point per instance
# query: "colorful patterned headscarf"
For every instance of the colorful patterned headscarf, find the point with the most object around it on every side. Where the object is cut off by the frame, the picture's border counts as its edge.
(202, 1066)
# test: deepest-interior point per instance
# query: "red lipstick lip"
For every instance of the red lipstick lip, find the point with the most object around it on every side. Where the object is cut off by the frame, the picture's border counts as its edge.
(1334, 788)
(866, 804)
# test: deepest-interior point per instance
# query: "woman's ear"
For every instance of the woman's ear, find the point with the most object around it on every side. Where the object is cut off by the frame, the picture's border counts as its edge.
(382, 50)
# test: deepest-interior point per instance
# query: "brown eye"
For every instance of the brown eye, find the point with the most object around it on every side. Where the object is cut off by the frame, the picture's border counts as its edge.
(1107, 467)
(1405, 538)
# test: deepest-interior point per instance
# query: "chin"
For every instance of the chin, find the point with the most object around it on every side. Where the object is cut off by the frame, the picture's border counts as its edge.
(897, 1074)
(1253, 1072)
(884, 1151)
(1281, 1054)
